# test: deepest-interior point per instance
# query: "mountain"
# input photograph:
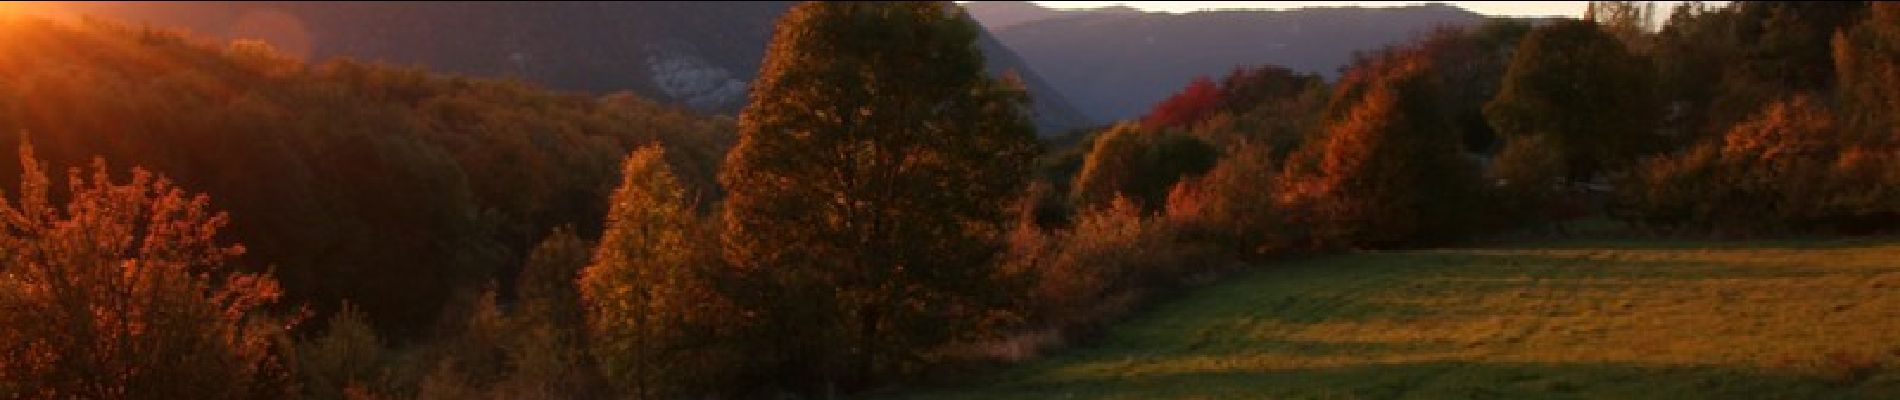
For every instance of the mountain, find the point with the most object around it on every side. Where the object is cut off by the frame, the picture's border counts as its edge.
(1115, 65)
(1003, 14)
(698, 54)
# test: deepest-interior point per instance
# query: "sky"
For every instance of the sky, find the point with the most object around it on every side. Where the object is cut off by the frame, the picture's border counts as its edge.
(1511, 8)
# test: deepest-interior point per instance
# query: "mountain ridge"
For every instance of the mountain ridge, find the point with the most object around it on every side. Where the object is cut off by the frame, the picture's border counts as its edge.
(1113, 66)
(697, 54)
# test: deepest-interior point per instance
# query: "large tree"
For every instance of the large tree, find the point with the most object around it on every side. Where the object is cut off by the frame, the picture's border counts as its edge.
(1578, 84)
(649, 303)
(868, 188)
(1387, 169)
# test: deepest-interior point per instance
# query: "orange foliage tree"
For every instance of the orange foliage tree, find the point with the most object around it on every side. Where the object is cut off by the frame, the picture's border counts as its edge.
(1387, 170)
(126, 292)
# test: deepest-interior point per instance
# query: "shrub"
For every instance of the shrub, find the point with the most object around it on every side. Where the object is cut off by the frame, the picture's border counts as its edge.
(1786, 169)
(125, 291)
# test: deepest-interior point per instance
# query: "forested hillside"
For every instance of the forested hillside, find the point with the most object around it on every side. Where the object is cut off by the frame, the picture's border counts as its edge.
(700, 54)
(1112, 65)
(391, 187)
(185, 217)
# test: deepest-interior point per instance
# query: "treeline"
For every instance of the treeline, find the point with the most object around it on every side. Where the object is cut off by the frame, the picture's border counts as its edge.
(882, 211)
(1762, 118)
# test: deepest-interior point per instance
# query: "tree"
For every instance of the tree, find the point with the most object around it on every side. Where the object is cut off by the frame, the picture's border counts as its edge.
(1193, 104)
(1867, 65)
(1388, 169)
(1234, 202)
(127, 292)
(546, 289)
(1578, 84)
(1129, 161)
(1691, 54)
(648, 301)
(869, 187)
(1630, 21)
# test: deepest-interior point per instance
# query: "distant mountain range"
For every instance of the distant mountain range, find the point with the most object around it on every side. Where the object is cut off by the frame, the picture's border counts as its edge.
(699, 54)
(1082, 67)
(1115, 63)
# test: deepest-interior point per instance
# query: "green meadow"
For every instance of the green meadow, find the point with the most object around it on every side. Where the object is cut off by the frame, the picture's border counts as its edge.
(1569, 319)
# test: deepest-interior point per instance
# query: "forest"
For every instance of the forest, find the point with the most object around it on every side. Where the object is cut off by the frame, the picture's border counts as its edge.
(193, 218)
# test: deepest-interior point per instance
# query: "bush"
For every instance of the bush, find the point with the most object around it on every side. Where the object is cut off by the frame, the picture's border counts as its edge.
(125, 291)
(347, 357)
(1785, 170)
(1233, 204)
(1113, 257)
(1529, 175)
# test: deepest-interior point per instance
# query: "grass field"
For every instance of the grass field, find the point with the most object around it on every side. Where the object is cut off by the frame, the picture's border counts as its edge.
(1578, 319)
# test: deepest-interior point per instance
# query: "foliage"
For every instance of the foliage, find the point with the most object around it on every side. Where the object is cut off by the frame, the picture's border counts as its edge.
(1529, 175)
(389, 187)
(1233, 204)
(1269, 105)
(1388, 169)
(347, 357)
(546, 289)
(1199, 100)
(1114, 257)
(1867, 62)
(1783, 170)
(1578, 84)
(650, 306)
(1129, 161)
(126, 290)
(869, 190)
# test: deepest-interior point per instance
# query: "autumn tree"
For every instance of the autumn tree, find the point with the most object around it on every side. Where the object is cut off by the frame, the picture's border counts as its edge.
(546, 289)
(648, 301)
(1267, 105)
(872, 178)
(1867, 65)
(1779, 49)
(1388, 169)
(1199, 100)
(1581, 86)
(126, 291)
(1129, 161)
(1234, 202)
(1692, 51)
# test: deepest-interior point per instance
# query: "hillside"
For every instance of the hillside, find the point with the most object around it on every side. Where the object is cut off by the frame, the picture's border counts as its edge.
(392, 188)
(699, 54)
(1115, 65)
(997, 15)
(1579, 319)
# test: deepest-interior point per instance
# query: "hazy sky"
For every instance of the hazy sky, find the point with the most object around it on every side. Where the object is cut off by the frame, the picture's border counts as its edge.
(1517, 8)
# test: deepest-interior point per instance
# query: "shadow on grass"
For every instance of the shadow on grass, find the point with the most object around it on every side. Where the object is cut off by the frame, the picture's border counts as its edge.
(1439, 380)
(1818, 243)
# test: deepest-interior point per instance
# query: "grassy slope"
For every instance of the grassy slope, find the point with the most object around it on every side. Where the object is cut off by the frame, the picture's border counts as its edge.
(1618, 319)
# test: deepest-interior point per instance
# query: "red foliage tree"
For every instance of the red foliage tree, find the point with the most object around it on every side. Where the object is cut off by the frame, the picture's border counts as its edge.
(1201, 99)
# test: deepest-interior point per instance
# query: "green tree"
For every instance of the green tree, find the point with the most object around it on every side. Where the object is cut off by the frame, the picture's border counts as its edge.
(867, 193)
(1578, 84)
(647, 297)
(1127, 160)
